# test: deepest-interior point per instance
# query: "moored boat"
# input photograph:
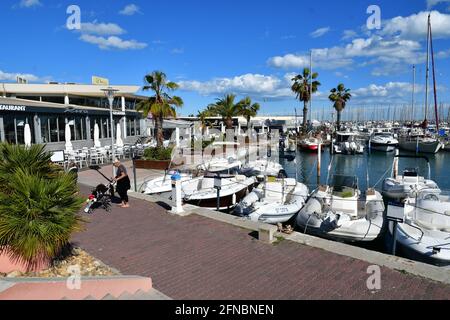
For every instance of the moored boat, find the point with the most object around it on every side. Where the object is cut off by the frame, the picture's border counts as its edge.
(275, 201)
(309, 144)
(201, 192)
(382, 141)
(399, 187)
(425, 231)
(340, 211)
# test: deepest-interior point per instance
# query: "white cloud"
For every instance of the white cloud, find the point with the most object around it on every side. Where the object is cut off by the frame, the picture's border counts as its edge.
(130, 10)
(349, 34)
(255, 85)
(432, 3)
(390, 50)
(319, 32)
(177, 51)
(5, 76)
(105, 36)
(414, 27)
(29, 3)
(110, 29)
(112, 42)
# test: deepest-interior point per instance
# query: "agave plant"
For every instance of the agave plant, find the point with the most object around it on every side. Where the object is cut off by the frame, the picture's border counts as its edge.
(38, 205)
(32, 159)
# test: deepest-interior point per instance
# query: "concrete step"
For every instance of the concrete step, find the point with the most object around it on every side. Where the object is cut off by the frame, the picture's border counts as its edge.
(153, 294)
(56, 288)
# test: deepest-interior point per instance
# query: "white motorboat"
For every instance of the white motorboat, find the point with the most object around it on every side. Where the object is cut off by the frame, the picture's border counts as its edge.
(382, 141)
(164, 183)
(310, 144)
(221, 165)
(340, 211)
(262, 167)
(399, 187)
(424, 235)
(347, 143)
(292, 146)
(275, 201)
(201, 192)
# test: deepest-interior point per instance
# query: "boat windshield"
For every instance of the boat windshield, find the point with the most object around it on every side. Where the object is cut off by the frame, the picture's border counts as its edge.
(344, 137)
(344, 186)
(410, 172)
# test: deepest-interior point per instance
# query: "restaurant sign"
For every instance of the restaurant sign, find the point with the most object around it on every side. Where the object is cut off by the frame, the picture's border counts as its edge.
(8, 107)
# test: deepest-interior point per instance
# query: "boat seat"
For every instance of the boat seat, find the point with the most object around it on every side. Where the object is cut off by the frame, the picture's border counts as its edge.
(206, 183)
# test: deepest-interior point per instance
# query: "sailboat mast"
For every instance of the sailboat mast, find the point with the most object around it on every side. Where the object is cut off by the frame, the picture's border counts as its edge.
(310, 88)
(427, 73)
(436, 113)
(413, 93)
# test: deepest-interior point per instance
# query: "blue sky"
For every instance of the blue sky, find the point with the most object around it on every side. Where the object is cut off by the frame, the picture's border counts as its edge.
(245, 47)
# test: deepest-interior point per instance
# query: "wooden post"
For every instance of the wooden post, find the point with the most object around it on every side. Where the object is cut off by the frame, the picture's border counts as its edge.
(319, 161)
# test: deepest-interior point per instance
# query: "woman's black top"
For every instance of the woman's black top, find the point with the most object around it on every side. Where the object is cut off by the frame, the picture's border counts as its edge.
(123, 183)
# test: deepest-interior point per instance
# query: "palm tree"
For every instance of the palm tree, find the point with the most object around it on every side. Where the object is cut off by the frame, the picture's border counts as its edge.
(202, 115)
(161, 105)
(339, 96)
(302, 88)
(38, 205)
(248, 110)
(226, 108)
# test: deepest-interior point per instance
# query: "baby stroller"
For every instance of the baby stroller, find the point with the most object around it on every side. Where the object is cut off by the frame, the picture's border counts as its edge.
(101, 196)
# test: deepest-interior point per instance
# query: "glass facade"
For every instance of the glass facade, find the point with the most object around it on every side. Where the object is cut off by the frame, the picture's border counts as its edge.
(95, 102)
(51, 126)
(14, 127)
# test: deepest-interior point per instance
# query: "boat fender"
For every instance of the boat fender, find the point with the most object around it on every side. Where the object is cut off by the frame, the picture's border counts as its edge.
(234, 198)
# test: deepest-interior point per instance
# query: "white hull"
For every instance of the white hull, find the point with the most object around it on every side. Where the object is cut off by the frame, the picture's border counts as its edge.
(413, 248)
(421, 147)
(163, 184)
(201, 191)
(426, 232)
(402, 187)
(274, 205)
(383, 148)
(262, 167)
(364, 224)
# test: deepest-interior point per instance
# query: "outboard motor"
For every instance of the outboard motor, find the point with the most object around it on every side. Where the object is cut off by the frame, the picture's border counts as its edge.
(282, 174)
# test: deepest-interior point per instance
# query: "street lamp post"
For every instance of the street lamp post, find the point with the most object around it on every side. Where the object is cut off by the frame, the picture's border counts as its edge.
(109, 92)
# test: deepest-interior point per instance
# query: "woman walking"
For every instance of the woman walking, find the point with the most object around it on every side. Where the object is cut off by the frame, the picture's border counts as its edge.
(123, 183)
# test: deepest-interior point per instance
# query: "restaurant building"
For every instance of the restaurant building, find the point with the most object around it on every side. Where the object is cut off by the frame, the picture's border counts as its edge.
(48, 107)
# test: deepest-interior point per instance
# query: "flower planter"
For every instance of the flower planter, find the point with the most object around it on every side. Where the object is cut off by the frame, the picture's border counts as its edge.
(8, 265)
(152, 164)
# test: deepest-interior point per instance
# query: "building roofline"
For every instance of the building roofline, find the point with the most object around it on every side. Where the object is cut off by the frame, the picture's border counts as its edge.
(61, 88)
(33, 103)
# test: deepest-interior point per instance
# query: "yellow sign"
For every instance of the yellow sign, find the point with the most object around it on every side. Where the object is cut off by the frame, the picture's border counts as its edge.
(100, 81)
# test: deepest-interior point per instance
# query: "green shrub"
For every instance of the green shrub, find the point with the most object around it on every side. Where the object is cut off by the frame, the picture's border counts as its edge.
(156, 153)
(38, 205)
(204, 144)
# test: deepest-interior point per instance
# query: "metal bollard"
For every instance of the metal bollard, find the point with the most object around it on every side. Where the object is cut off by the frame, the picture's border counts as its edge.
(177, 208)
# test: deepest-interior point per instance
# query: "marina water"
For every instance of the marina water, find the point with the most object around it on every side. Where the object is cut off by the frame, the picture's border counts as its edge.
(374, 164)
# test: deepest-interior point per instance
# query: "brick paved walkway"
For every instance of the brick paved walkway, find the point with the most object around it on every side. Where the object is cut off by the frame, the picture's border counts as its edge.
(199, 258)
